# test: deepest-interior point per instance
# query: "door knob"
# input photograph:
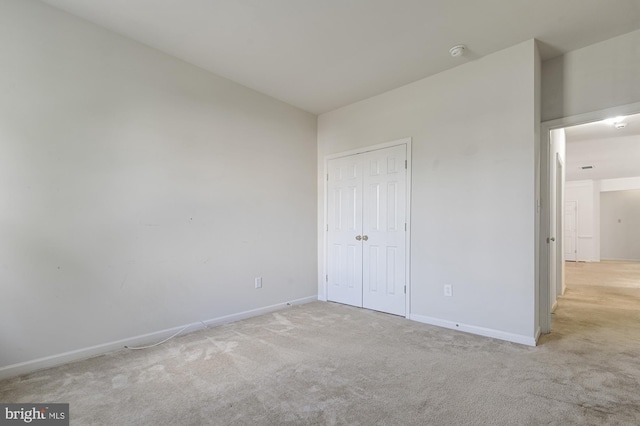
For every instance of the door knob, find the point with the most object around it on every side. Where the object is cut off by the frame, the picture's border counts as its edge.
(365, 238)
(358, 237)
(551, 239)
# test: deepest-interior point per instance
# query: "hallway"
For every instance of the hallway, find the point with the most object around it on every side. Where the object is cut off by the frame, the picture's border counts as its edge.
(603, 274)
(601, 306)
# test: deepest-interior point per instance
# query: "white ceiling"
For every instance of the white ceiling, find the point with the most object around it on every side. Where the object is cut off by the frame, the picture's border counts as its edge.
(613, 153)
(322, 54)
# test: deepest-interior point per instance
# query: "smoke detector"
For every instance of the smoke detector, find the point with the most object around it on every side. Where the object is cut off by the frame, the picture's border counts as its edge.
(458, 50)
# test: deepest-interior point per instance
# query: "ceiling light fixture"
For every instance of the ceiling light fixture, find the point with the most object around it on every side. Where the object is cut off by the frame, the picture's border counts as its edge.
(458, 50)
(614, 120)
(620, 125)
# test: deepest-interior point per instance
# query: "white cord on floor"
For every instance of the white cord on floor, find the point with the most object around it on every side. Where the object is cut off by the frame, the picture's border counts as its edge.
(165, 340)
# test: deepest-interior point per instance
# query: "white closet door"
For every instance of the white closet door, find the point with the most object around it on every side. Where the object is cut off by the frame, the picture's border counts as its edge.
(366, 233)
(384, 215)
(345, 224)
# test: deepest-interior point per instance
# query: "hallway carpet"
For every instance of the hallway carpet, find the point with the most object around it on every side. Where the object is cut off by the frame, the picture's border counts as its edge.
(324, 363)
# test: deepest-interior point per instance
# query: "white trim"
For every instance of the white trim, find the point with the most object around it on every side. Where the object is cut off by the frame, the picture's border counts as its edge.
(579, 183)
(560, 237)
(397, 142)
(481, 331)
(544, 311)
(407, 275)
(84, 353)
(366, 149)
(537, 335)
(554, 306)
(620, 184)
(590, 117)
(620, 260)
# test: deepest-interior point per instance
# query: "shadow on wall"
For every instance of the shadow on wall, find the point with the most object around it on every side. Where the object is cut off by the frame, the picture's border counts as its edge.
(553, 72)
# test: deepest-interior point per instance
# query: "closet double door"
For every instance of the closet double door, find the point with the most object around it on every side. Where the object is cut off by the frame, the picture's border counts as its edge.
(367, 199)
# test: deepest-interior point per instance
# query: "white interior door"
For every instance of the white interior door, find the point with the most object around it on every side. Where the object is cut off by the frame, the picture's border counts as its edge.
(344, 226)
(571, 230)
(384, 230)
(367, 230)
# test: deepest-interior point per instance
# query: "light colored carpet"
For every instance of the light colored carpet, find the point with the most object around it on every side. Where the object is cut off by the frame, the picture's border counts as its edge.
(324, 363)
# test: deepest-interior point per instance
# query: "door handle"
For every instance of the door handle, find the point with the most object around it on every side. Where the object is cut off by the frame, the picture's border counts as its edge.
(358, 237)
(365, 238)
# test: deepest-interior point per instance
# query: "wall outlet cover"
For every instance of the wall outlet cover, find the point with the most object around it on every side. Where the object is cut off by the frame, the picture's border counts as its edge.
(448, 290)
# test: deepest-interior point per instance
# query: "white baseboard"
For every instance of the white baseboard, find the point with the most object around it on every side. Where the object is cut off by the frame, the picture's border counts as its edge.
(84, 353)
(620, 260)
(538, 332)
(481, 331)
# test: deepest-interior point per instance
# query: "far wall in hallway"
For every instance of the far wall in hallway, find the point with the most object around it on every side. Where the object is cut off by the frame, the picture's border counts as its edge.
(601, 203)
(620, 225)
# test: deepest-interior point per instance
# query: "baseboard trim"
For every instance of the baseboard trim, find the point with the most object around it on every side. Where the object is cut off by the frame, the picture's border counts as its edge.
(481, 331)
(554, 306)
(27, 367)
(538, 333)
(620, 260)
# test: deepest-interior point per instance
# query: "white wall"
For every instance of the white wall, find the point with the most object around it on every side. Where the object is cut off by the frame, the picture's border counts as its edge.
(473, 187)
(593, 78)
(587, 195)
(137, 192)
(620, 225)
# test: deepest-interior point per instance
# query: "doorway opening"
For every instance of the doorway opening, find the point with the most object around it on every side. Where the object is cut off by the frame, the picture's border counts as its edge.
(585, 159)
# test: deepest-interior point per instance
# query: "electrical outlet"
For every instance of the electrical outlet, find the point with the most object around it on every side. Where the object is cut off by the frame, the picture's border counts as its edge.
(448, 290)
(258, 282)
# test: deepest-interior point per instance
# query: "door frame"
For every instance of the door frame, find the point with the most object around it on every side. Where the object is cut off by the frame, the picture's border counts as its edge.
(325, 247)
(544, 279)
(560, 179)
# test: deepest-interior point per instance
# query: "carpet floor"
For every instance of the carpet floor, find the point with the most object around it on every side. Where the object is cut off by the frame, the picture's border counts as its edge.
(330, 364)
